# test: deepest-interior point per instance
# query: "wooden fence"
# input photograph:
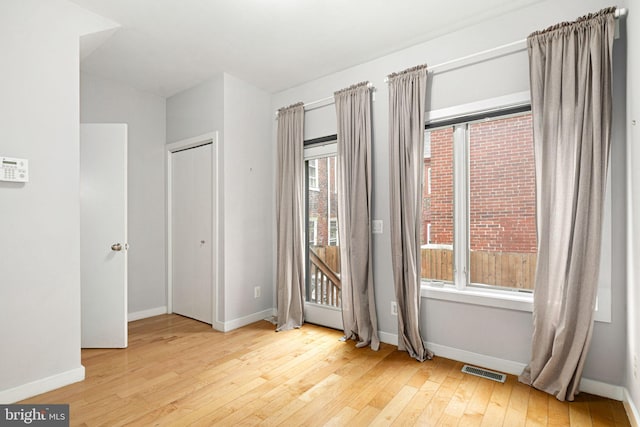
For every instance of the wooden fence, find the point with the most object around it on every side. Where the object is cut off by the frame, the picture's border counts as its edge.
(508, 269)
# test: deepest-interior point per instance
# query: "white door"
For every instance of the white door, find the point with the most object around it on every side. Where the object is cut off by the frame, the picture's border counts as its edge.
(191, 232)
(323, 299)
(103, 235)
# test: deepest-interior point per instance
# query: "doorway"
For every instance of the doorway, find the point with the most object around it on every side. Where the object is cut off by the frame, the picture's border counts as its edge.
(323, 296)
(192, 173)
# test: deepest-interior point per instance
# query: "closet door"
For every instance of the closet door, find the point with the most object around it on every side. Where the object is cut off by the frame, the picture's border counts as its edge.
(191, 229)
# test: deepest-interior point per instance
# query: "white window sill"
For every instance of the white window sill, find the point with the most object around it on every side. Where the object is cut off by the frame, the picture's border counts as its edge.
(511, 300)
(436, 246)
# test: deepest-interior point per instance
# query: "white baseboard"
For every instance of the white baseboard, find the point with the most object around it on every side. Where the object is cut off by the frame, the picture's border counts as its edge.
(587, 385)
(482, 360)
(40, 386)
(218, 326)
(243, 321)
(631, 409)
(509, 366)
(147, 313)
(599, 388)
(388, 338)
(489, 362)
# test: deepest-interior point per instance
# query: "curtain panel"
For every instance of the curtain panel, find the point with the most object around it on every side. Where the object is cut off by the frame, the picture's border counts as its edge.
(290, 217)
(570, 71)
(407, 94)
(353, 113)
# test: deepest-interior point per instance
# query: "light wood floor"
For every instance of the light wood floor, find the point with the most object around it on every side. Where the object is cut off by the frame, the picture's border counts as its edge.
(179, 372)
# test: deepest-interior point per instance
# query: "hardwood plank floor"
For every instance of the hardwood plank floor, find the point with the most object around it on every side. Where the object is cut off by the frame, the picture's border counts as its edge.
(178, 371)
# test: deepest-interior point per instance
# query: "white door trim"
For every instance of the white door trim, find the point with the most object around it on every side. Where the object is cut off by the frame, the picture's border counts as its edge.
(208, 138)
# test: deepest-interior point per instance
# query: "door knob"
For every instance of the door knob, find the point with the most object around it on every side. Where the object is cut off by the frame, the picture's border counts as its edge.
(116, 247)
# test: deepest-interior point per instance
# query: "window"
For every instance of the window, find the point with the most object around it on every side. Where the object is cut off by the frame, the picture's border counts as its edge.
(333, 232)
(479, 210)
(502, 202)
(427, 145)
(312, 166)
(313, 231)
(463, 159)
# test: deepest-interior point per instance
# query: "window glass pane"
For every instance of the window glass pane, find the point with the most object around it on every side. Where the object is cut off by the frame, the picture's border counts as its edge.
(502, 204)
(437, 207)
(323, 260)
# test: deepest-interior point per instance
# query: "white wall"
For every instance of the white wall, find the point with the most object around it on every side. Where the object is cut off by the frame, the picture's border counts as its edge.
(500, 333)
(633, 200)
(241, 115)
(40, 225)
(197, 110)
(194, 112)
(102, 101)
(247, 198)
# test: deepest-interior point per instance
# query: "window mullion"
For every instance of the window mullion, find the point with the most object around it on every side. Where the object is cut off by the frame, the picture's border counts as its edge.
(460, 206)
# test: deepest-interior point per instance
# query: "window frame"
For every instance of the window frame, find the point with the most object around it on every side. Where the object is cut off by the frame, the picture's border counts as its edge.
(315, 149)
(461, 289)
(333, 165)
(512, 299)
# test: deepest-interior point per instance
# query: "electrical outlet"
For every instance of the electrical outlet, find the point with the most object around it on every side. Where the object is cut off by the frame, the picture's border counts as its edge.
(394, 308)
(635, 366)
(256, 292)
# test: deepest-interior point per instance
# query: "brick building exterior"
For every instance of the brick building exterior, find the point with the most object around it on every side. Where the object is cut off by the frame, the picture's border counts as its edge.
(437, 192)
(323, 202)
(501, 186)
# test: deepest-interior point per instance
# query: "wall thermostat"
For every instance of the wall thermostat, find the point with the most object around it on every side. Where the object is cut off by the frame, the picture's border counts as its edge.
(14, 170)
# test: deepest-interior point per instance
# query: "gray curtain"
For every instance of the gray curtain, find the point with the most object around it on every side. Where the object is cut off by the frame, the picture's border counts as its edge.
(353, 110)
(407, 93)
(570, 72)
(289, 220)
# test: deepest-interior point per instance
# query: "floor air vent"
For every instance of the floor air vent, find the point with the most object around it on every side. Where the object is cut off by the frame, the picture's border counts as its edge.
(495, 376)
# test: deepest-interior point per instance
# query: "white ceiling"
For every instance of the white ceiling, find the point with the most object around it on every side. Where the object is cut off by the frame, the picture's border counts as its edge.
(166, 46)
